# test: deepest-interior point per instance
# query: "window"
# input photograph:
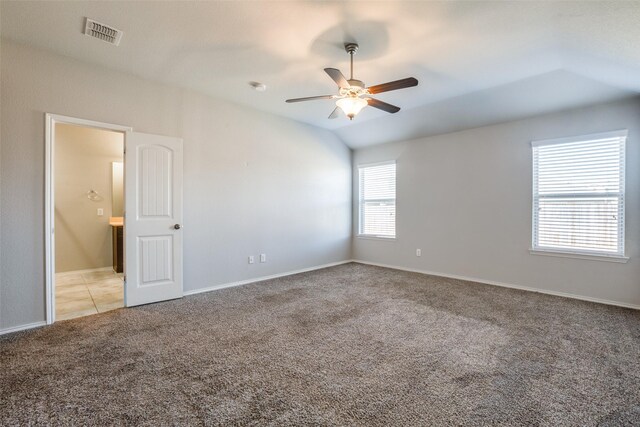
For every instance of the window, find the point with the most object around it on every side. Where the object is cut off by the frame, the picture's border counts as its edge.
(378, 200)
(578, 195)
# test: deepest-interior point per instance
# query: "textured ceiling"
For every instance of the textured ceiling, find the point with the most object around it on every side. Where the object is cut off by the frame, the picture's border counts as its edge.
(477, 62)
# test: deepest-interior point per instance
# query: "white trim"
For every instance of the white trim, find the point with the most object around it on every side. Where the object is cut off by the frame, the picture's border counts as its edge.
(505, 285)
(577, 255)
(22, 327)
(89, 270)
(263, 278)
(368, 165)
(319, 267)
(57, 118)
(374, 237)
(49, 141)
(622, 133)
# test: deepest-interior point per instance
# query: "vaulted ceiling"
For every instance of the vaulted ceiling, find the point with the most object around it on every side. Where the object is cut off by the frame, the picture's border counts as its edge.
(477, 62)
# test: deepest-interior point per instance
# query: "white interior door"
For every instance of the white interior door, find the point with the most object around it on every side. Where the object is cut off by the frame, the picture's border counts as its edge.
(153, 218)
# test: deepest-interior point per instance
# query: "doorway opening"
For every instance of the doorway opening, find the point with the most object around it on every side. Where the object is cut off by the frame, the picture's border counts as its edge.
(85, 217)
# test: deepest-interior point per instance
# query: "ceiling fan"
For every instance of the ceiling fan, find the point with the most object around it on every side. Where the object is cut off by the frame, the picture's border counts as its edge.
(353, 95)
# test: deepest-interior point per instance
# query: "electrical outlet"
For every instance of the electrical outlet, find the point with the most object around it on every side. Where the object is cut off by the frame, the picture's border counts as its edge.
(100, 211)
(263, 257)
(418, 252)
(251, 259)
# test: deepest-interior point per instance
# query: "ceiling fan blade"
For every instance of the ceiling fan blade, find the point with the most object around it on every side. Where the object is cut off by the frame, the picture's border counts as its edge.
(311, 98)
(337, 77)
(395, 85)
(335, 113)
(382, 106)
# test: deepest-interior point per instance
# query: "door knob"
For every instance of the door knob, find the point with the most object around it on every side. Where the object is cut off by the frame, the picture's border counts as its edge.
(177, 226)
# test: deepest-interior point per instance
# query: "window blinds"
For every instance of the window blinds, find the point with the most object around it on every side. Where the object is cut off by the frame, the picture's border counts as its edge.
(578, 194)
(378, 200)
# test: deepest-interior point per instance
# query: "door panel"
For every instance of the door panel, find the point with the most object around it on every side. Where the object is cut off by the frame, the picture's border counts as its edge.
(154, 175)
(153, 218)
(156, 255)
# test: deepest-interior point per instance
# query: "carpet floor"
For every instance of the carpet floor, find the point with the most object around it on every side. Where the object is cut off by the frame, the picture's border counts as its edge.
(347, 345)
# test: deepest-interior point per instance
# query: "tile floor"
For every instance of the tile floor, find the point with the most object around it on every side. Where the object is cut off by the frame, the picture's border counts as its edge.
(90, 292)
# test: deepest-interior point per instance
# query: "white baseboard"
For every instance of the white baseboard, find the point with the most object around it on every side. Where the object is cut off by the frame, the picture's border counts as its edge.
(22, 327)
(505, 285)
(89, 270)
(395, 267)
(263, 278)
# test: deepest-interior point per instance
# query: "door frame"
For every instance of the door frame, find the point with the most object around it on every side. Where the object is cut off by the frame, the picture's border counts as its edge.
(49, 193)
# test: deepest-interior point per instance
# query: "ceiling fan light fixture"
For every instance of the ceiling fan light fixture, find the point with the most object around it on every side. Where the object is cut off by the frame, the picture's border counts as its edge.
(350, 91)
(351, 106)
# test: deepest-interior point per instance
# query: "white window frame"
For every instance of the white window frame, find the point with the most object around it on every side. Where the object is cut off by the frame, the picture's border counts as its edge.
(581, 254)
(361, 201)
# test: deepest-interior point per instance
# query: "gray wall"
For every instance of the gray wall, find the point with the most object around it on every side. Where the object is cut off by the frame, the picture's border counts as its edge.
(257, 183)
(464, 198)
(83, 162)
(253, 182)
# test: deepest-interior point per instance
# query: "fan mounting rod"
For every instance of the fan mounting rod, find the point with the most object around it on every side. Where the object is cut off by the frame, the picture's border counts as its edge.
(351, 49)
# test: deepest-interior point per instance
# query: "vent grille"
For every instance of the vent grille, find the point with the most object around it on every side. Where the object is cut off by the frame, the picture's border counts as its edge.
(103, 32)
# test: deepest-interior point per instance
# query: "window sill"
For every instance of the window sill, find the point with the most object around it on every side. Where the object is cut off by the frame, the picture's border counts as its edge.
(368, 237)
(607, 258)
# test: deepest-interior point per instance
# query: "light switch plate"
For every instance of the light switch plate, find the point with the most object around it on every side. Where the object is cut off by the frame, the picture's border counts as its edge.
(100, 212)
(263, 257)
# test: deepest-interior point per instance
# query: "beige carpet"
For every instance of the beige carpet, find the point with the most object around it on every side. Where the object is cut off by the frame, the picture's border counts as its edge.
(348, 345)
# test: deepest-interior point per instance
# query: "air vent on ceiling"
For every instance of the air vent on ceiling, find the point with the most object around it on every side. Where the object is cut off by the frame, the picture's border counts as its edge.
(102, 32)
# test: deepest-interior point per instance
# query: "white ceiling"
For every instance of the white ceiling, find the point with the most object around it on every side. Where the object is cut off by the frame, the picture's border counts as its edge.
(477, 62)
